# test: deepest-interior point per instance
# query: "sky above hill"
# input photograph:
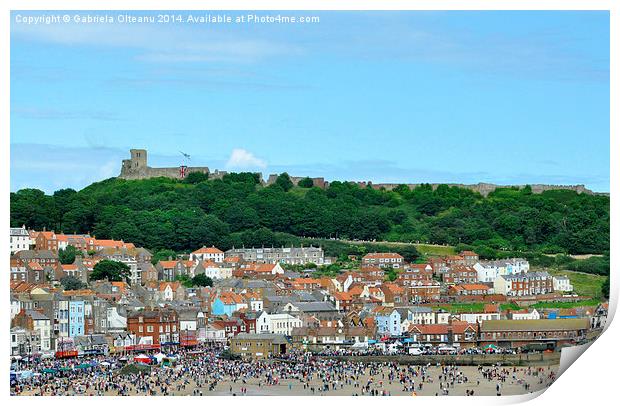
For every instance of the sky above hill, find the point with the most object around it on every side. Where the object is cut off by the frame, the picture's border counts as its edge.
(465, 97)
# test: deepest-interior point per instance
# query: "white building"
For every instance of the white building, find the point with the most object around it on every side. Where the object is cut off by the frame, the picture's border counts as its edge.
(213, 270)
(562, 284)
(207, 254)
(421, 315)
(19, 239)
(343, 285)
(215, 333)
(115, 321)
(479, 317)
(15, 306)
(525, 284)
(256, 302)
(285, 255)
(281, 323)
(488, 271)
(42, 328)
(167, 293)
(188, 321)
(525, 315)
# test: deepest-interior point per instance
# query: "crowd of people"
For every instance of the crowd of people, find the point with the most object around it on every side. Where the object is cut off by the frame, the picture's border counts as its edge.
(205, 371)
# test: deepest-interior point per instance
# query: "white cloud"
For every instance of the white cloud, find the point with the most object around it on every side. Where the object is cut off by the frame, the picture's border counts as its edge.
(242, 159)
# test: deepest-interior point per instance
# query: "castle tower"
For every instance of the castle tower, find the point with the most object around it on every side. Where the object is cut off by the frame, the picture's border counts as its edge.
(138, 158)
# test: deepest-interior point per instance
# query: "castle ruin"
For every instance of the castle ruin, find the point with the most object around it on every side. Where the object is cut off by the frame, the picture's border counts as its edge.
(137, 168)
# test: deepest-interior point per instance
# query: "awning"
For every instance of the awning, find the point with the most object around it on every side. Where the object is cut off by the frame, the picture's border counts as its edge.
(142, 358)
(160, 356)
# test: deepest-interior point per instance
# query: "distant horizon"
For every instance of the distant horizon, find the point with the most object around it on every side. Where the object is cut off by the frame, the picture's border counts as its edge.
(502, 97)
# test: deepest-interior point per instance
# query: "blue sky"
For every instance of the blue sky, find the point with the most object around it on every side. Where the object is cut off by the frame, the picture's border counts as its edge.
(504, 97)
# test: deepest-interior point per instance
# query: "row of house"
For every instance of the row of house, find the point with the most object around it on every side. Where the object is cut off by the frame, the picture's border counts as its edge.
(254, 295)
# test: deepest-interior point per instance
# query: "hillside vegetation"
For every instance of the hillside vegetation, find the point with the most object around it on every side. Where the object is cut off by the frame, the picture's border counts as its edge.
(237, 210)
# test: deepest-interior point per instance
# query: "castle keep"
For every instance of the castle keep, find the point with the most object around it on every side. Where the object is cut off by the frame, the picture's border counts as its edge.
(137, 168)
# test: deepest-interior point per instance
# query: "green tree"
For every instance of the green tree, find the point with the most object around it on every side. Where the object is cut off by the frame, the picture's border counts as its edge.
(409, 253)
(305, 183)
(202, 280)
(63, 199)
(161, 213)
(67, 255)
(605, 288)
(163, 255)
(285, 182)
(196, 177)
(112, 271)
(185, 280)
(71, 283)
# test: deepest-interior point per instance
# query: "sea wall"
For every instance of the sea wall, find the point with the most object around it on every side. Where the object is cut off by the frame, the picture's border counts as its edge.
(551, 358)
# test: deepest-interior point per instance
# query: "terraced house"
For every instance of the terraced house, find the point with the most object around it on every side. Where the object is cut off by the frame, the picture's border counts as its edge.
(383, 260)
(524, 284)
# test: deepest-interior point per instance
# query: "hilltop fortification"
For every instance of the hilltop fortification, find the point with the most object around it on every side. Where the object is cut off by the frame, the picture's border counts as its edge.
(485, 188)
(137, 168)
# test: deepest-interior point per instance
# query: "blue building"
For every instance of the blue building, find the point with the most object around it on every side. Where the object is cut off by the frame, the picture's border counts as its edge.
(388, 321)
(76, 318)
(217, 307)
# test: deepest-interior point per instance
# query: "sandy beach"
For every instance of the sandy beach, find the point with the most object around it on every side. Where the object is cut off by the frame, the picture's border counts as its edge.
(379, 380)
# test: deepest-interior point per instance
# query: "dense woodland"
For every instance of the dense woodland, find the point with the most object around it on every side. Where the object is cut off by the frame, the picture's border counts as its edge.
(236, 210)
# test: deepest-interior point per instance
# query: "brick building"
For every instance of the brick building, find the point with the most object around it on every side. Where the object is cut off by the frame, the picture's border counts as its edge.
(415, 274)
(460, 274)
(524, 284)
(160, 326)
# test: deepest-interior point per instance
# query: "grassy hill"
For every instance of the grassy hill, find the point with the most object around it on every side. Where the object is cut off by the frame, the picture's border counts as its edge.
(238, 210)
(583, 283)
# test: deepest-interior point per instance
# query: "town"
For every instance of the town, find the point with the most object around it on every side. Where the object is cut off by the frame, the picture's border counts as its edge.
(264, 303)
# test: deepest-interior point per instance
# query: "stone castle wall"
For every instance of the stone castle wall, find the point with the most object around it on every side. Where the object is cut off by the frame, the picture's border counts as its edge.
(317, 182)
(137, 168)
(484, 188)
(148, 172)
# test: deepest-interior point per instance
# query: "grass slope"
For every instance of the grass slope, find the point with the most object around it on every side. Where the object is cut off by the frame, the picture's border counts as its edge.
(583, 283)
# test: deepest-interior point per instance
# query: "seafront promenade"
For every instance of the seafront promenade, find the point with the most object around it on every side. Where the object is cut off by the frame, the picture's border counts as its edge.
(538, 358)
